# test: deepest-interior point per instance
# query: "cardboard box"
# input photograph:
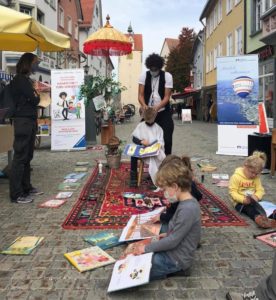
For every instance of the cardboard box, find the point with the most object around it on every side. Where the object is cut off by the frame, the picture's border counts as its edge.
(6, 137)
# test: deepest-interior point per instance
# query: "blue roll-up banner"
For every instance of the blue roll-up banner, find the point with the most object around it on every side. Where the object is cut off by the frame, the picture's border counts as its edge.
(237, 102)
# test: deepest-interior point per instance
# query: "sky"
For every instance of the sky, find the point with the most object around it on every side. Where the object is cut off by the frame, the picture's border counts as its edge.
(154, 19)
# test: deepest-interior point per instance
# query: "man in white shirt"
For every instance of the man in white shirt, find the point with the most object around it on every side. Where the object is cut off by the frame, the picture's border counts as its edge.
(155, 88)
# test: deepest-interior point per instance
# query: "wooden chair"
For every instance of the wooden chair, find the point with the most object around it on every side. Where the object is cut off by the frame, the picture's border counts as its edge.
(273, 152)
(140, 171)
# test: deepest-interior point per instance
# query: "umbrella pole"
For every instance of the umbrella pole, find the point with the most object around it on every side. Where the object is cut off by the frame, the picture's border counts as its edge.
(106, 65)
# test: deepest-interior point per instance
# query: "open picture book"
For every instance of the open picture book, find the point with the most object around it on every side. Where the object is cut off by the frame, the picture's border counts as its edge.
(142, 151)
(265, 208)
(23, 245)
(89, 258)
(139, 227)
(130, 271)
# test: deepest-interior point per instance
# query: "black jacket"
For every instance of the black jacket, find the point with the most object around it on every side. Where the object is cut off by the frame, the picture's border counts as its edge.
(25, 97)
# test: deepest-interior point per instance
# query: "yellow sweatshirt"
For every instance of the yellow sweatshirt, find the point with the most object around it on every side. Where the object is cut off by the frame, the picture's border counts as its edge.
(240, 186)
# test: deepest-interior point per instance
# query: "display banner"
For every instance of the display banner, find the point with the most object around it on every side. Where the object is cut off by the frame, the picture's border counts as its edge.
(67, 110)
(186, 115)
(237, 102)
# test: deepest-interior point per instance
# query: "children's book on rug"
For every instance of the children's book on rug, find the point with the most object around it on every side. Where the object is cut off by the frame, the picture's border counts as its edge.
(52, 203)
(23, 245)
(141, 201)
(104, 240)
(68, 186)
(130, 271)
(81, 169)
(142, 151)
(82, 163)
(139, 227)
(89, 258)
(77, 176)
(268, 238)
(63, 195)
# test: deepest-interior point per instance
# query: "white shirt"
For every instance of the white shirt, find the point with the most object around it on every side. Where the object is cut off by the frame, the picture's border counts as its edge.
(155, 98)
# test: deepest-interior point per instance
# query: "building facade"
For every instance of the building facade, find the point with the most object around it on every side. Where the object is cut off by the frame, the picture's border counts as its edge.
(267, 70)
(130, 68)
(69, 17)
(254, 45)
(168, 45)
(224, 36)
(92, 21)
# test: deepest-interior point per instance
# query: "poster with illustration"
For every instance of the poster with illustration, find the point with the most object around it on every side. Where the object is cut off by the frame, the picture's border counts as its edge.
(237, 102)
(67, 110)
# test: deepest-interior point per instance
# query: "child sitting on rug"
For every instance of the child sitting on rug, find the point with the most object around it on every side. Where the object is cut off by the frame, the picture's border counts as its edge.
(165, 217)
(146, 133)
(174, 251)
(245, 187)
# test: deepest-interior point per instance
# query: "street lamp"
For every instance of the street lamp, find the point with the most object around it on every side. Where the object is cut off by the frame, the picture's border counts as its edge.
(86, 69)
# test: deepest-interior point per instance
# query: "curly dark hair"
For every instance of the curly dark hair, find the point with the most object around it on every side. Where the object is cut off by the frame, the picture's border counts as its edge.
(62, 94)
(24, 65)
(154, 61)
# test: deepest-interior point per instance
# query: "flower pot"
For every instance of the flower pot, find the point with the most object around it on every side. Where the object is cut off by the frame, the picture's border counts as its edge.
(114, 161)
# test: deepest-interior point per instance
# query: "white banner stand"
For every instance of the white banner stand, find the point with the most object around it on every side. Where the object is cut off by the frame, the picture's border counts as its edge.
(186, 115)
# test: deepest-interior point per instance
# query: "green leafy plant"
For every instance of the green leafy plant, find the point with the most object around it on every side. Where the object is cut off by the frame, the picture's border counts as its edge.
(98, 85)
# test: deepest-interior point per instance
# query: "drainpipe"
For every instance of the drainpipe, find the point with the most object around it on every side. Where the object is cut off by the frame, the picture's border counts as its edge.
(203, 71)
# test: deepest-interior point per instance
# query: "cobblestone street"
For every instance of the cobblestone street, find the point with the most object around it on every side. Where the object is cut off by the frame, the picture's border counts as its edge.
(229, 259)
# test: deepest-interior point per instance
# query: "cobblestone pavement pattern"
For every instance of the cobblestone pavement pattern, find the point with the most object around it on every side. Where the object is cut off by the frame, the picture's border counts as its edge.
(229, 259)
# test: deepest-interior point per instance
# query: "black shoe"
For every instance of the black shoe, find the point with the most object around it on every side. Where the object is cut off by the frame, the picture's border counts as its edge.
(181, 273)
(22, 200)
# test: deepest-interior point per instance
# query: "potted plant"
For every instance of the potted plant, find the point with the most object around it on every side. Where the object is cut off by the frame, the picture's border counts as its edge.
(93, 87)
(114, 150)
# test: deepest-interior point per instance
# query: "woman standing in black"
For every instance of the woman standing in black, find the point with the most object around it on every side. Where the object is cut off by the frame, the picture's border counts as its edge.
(25, 121)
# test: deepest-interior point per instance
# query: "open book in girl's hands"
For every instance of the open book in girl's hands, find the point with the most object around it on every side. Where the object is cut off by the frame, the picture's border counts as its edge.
(265, 208)
(142, 151)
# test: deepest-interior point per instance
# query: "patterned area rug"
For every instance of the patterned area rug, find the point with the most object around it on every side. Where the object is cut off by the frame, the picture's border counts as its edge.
(106, 202)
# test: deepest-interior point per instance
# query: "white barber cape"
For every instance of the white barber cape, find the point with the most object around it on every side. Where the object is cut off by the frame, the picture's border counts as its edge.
(151, 134)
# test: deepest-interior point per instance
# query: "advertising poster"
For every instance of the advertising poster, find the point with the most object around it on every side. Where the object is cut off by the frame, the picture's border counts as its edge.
(67, 110)
(237, 102)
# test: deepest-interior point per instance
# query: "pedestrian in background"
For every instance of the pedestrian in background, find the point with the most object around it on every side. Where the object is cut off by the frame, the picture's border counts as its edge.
(25, 123)
(155, 88)
(209, 105)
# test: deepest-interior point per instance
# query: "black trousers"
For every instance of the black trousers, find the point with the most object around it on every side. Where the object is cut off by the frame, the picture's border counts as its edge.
(23, 146)
(249, 210)
(65, 113)
(165, 121)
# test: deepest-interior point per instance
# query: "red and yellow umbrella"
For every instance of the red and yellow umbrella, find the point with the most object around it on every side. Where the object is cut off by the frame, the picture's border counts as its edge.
(107, 41)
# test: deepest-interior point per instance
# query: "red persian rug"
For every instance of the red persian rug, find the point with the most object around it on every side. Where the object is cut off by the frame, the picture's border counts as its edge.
(107, 202)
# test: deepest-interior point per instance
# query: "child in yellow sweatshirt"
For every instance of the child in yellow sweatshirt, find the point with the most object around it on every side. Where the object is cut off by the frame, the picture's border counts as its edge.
(245, 186)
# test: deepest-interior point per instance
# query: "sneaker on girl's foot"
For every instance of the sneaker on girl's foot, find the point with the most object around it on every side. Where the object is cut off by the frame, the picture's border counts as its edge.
(263, 222)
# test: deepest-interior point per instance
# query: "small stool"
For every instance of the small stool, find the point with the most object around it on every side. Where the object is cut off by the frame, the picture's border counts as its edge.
(140, 171)
(273, 152)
